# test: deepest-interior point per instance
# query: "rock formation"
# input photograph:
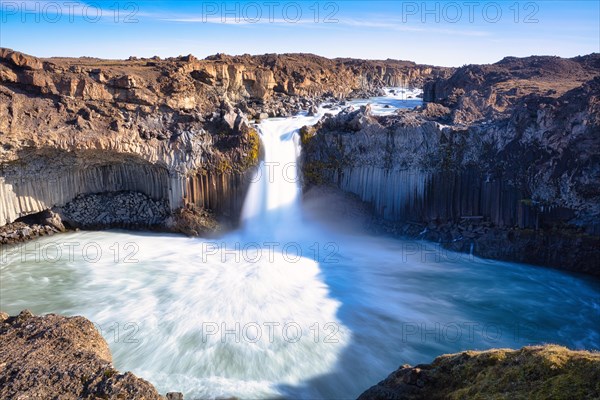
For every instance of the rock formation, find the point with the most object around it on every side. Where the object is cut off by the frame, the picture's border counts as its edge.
(500, 164)
(539, 372)
(48, 357)
(31, 227)
(175, 130)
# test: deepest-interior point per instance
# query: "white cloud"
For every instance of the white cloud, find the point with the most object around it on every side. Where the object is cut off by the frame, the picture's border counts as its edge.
(389, 25)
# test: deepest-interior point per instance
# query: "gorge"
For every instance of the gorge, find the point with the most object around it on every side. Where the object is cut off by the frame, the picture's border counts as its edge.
(326, 304)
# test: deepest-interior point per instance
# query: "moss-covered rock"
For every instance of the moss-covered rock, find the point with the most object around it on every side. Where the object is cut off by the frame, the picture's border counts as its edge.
(307, 133)
(236, 153)
(313, 173)
(193, 221)
(537, 372)
(252, 149)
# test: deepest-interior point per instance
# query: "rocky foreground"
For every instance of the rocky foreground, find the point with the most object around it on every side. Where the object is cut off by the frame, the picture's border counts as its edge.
(56, 357)
(51, 356)
(537, 372)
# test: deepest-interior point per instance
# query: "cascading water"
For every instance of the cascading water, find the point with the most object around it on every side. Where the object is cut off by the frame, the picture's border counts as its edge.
(273, 200)
(292, 305)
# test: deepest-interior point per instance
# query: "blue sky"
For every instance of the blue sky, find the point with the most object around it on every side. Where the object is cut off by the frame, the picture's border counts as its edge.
(449, 33)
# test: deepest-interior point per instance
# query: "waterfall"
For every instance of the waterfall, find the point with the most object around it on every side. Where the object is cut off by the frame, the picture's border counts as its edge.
(273, 199)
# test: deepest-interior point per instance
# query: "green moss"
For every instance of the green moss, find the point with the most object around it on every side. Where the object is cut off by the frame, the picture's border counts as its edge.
(527, 202)
(224, 166)
(306, 134)
(549, 372)
(109, 373)
(251, 146)
(254, 151)
(537, 372)
(313, 172)
(234, 154)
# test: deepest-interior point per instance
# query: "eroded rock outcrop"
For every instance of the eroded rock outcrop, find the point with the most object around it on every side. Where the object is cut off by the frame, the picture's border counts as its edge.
(47, 357)
(538, 372)
(477, 93)
(45, 223)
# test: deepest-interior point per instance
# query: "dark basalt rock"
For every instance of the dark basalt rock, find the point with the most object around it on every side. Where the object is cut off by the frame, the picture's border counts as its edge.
(529, 169)
(175, 130)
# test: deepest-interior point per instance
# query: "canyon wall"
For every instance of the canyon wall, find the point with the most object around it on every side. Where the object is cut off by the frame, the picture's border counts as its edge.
(418, 173)
(504, 161)
(22, 195)
(175, 130)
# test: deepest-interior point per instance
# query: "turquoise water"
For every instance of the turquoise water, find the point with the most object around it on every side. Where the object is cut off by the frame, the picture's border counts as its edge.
(364, 305)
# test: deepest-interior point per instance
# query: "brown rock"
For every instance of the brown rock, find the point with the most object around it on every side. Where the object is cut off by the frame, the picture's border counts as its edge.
(52, 219)
(537, 372)
(51, 356)
(21, 60)
(125, 82)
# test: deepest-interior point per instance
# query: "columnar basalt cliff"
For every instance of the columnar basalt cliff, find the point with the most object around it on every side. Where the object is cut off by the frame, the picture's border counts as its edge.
(174, 130)
(503, 161)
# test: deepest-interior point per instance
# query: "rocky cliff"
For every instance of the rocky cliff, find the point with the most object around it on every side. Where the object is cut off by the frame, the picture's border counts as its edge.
(503, 161)
(176, 131)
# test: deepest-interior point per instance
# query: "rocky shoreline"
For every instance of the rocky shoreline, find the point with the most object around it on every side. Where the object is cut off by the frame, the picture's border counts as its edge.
(566, 247)
(46, 223)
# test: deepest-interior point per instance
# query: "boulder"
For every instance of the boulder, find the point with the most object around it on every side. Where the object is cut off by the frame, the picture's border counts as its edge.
(47, 357)
(124, 82)
(21, 60)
